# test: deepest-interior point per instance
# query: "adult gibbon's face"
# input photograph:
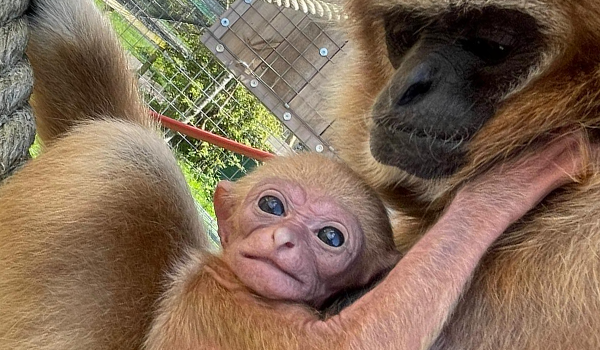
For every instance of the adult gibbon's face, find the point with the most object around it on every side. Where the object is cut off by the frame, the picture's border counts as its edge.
(452, 71)
(434, 92)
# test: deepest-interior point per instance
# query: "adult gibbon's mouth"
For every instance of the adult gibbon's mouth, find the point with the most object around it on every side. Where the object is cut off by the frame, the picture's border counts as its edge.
(417, 152)
(454, 140)
(272, 263)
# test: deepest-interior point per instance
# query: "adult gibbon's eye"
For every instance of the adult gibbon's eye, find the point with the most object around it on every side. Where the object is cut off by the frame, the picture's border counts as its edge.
(397, 45)
(331, 236)
(488, 50)
(271, 205)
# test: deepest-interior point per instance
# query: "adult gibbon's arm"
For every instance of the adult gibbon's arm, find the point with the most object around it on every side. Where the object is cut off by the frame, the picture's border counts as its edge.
(80, 69)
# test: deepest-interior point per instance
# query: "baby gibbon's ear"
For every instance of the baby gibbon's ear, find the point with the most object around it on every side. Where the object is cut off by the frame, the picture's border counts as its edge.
(224, 204)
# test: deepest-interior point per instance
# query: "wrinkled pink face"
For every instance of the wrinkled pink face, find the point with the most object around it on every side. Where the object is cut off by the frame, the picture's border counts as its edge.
(296, 244)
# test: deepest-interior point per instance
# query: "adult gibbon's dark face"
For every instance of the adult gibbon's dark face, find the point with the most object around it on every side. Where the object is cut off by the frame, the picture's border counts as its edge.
(452, 71)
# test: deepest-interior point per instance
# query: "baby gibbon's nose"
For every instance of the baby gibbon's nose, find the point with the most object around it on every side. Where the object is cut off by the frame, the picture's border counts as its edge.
(284, 237)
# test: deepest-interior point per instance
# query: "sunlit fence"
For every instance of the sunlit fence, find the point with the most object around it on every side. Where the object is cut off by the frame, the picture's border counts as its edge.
(183, 79)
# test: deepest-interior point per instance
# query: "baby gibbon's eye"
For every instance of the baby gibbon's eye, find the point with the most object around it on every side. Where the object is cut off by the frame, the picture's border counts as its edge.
(271, 205)
(331, 236)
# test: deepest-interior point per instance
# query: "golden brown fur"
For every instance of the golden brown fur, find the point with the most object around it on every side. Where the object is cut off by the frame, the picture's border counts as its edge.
(200, 308)
(90, 229)
(539, 288)
(207, 305)
(82, 258)
(61, 61)
(68, 277)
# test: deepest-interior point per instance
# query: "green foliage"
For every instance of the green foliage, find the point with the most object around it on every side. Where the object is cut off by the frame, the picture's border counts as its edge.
(36, 148)
(233, 112)
(195, 87)
(197, 182)
(130, 37)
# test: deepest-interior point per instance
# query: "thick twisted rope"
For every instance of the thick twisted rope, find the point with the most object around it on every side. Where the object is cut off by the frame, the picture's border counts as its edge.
(17, 128)
(316, 8)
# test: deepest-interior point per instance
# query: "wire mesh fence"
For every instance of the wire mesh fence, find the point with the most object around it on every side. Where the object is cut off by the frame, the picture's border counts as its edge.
(247, 70)
(284, 57)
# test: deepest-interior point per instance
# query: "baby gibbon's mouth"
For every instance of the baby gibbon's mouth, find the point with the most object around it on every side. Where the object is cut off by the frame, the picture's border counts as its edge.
(272, 263)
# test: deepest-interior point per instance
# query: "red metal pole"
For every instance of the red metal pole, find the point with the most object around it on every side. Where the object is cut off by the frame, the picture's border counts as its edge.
(209, 137)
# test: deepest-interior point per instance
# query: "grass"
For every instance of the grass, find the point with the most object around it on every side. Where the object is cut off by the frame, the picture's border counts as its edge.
(201, 193)
(129, 34)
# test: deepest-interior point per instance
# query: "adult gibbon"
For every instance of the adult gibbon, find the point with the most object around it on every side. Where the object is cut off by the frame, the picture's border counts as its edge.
(436, 92)
(101, 227)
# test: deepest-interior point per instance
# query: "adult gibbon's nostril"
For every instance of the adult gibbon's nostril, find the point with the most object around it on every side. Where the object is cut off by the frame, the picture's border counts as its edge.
(417, 83)
(415, 90)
